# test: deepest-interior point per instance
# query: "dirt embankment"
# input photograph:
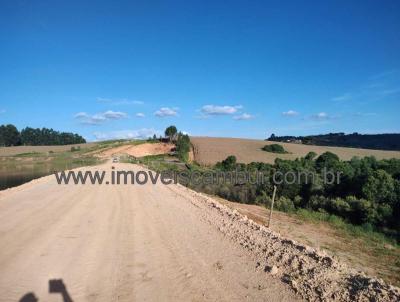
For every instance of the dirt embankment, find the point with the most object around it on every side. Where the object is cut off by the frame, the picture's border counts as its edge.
(364, 254)
(139, 150)
(311, 273)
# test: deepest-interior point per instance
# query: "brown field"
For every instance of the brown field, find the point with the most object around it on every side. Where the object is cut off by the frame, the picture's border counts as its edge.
(209, 150)
(10, 151)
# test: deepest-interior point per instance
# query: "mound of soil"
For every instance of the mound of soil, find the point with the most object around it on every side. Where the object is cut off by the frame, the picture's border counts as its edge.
(140, 150)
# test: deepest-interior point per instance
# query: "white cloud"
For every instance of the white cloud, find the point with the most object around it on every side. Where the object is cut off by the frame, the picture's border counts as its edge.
(119, 101)
(290, 113)
(220, 110)
(87, 119)
(99, 118)
(320, 116)
(344, 97)
(81, 115)
(114, 115)
(243, 117)
(140, 114)
(166, 111)
(126, 134)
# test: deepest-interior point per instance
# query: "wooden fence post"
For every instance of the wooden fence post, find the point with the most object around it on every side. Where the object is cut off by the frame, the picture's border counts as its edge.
(272, 207)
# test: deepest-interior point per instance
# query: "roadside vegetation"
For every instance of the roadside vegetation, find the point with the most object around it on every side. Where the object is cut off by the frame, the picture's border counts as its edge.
(367, 194)
(183, 147)
(181, 141)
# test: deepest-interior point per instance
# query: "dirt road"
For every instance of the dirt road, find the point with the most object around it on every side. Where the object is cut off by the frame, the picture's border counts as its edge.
(122, 243)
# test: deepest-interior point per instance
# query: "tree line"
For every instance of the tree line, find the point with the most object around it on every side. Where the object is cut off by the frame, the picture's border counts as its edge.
(10, 136)
(354, 140)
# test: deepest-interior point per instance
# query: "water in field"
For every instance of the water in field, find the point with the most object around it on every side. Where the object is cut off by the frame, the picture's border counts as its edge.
(15, 172)
(14, 179)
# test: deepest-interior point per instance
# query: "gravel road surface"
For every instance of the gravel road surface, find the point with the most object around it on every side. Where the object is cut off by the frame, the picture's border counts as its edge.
(122, 243)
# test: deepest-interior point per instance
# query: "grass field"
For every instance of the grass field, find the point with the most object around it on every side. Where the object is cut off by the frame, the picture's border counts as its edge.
(209, 150)
(10, 151)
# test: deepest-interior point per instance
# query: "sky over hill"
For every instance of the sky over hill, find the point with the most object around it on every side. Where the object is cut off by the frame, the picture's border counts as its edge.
(245, 69)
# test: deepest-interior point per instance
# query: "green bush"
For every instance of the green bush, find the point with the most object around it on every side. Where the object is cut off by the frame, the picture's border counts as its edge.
(274, 148)
(327, 160)
(379, 187)
(362, 210)
(227, 164)
(310, 155)
(183, 147)
(338, 206)
(284, 204)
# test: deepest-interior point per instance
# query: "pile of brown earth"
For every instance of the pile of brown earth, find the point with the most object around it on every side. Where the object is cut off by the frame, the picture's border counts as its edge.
(313, 274)
(140, 150)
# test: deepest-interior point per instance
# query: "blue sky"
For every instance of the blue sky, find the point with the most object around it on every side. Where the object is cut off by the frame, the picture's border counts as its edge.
(110, 69)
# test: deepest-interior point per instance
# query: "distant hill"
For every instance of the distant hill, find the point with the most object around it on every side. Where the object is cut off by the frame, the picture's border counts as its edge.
(354, 140)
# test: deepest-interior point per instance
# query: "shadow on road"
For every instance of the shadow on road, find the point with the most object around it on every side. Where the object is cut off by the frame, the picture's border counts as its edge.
(56, 286)
(29, 297)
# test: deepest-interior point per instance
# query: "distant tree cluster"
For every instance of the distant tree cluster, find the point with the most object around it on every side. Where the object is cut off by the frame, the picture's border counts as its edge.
(354, 140)
(10, 136)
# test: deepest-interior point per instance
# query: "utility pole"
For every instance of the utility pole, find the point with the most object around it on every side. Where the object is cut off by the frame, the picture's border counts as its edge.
(272, 207)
